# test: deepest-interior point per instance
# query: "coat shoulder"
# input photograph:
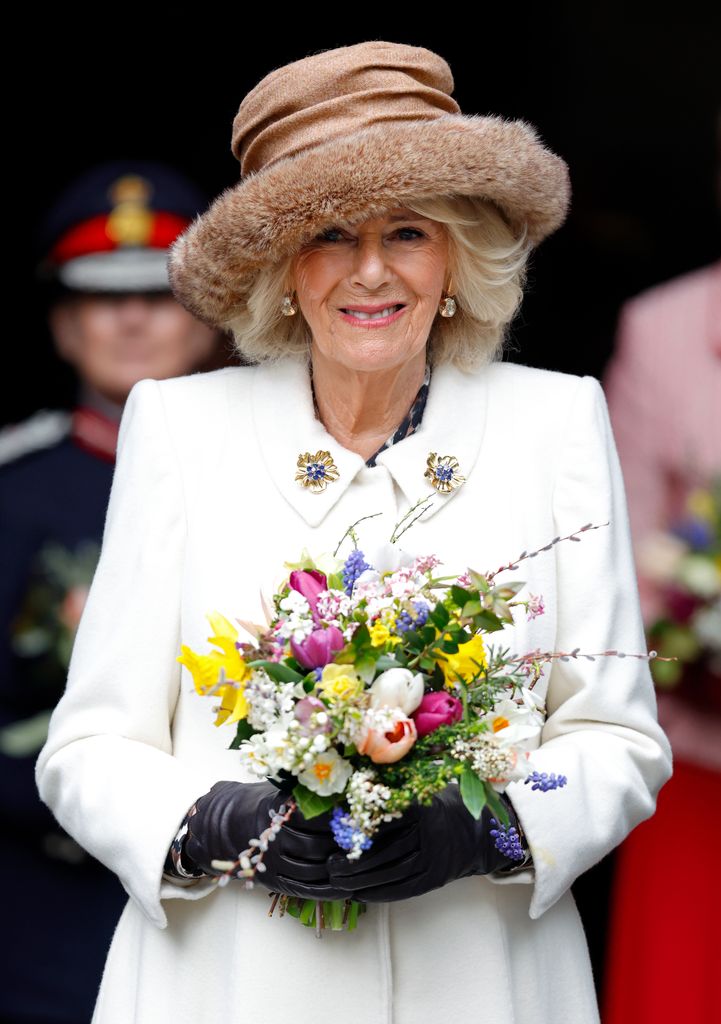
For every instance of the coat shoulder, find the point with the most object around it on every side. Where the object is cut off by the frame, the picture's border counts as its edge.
(540, 393)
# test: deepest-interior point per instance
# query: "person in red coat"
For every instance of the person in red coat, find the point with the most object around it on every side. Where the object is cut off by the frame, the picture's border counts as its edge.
(663, 388)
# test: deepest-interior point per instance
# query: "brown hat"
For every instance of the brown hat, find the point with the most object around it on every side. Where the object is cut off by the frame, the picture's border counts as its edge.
(343, 135)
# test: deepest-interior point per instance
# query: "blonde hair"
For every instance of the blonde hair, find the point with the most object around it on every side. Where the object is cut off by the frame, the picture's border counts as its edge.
(487, 267)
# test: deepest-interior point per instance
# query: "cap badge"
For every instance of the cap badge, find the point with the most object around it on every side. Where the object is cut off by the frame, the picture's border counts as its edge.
(130, 222)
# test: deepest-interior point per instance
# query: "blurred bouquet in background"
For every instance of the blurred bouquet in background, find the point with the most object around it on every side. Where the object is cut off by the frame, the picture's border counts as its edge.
(42, 637)
(685, 566)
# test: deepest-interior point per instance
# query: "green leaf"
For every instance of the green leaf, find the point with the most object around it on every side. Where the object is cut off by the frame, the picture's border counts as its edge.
(312, 804)
(386, 661)
(460, 596)
(479, 582)
(361, 637)
(244, 731)
(278, 671)
(365, 666)
(335, 581)
(496, 804)
(487, 621)
(471, 608)
(449, 647)
(473, 792)
(440, 616)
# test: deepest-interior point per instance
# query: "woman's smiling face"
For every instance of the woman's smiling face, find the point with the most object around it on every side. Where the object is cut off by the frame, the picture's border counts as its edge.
(395, 262)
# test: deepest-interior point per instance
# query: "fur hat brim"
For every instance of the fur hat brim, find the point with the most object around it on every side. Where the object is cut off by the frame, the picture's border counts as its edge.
(269, 214)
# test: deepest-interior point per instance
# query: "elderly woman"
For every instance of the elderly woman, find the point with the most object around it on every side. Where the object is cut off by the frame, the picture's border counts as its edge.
(367, 264)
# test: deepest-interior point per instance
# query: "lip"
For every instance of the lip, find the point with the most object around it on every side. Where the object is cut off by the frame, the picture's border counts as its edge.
(379, 322)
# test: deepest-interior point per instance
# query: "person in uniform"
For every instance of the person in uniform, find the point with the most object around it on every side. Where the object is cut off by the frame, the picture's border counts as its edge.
(113, 317)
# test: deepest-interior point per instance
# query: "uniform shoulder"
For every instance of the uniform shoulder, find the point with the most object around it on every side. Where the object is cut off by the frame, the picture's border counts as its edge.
(39, 432)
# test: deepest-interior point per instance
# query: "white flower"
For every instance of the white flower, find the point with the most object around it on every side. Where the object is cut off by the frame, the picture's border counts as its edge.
(512, 723)
(332, 605)
(706, 623)
(659, 555)
(397, 688)
(327, 773)
(700, 575)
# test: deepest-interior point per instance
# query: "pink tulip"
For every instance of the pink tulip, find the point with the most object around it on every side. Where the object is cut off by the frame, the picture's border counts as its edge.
(309, 583)
(437, 708)
(388, 747)
(317, 650)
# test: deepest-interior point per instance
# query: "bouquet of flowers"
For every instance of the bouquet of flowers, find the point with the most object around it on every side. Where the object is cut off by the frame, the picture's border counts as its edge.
(685, 565)
(369, 690)
(43, 634)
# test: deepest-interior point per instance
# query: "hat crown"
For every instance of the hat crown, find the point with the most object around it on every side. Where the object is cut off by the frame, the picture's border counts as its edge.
(335, 93)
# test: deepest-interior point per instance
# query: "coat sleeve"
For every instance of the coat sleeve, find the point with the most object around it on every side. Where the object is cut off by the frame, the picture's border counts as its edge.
(602, 730)
(107, 770)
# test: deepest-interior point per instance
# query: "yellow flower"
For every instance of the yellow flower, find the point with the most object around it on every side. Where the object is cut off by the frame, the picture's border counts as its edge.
(339, 682)
(205, 669)
(700, 503)
(380, 634)
(466, 663)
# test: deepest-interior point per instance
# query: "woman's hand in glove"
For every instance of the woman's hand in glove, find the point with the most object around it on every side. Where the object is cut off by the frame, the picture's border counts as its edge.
(233, 813)
(438, 844)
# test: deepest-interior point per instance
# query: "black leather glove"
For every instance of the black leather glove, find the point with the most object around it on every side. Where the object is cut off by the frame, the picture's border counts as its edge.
(439, 843)
(232, 813)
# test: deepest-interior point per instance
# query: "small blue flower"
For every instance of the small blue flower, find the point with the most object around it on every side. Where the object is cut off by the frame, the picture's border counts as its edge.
(507, 840)
(355, 564)
(345, 834)
(697, 533)
(421, 613)
(544, 781)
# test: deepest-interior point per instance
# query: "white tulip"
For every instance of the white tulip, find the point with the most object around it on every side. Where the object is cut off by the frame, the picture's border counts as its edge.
(397, 688)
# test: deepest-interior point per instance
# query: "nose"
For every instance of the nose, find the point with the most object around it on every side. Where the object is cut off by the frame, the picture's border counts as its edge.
(133, 310)
(371, 269)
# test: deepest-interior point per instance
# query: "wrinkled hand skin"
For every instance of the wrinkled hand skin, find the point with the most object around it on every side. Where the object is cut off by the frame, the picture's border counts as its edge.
(436, 845)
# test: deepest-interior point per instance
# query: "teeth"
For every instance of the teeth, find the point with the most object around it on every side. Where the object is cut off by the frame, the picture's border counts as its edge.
(372, 316)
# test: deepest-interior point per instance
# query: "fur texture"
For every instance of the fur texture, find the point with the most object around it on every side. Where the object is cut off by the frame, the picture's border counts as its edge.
(270, 213)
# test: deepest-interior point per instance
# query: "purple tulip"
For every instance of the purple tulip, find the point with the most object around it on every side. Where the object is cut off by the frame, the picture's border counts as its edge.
(437, 708)
(309, 583)
(317, 650)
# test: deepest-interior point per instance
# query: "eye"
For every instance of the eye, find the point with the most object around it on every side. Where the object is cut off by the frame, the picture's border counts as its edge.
(413, 231)
(327, 235)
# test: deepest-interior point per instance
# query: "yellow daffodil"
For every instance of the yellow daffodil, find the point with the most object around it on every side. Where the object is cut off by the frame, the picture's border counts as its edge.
(466, 663)
(205, 669)
(340, 682)
(380, 635)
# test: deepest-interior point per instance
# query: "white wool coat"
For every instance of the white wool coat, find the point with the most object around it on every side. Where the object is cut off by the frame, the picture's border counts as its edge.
(203, 512)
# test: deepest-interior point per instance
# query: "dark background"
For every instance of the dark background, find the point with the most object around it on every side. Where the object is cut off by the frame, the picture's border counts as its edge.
(628, 97)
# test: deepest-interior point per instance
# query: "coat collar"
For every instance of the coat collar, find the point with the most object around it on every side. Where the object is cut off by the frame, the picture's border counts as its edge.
(286, 427)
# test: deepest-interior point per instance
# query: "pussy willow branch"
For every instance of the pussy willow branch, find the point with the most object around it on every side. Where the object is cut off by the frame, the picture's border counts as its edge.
(421, 501)
(547, 547)
(350, 532)
(250, 860)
